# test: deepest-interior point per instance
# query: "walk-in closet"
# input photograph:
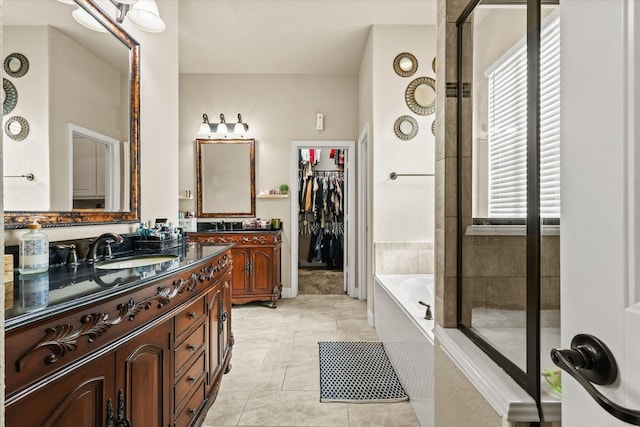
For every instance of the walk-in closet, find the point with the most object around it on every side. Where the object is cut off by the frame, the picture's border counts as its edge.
(321, 220)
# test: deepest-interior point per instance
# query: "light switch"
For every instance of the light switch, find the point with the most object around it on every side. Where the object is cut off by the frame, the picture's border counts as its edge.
(319, 121)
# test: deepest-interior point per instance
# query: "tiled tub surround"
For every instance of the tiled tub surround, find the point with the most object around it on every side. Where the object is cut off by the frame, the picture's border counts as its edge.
(404, 258)
(408, 336)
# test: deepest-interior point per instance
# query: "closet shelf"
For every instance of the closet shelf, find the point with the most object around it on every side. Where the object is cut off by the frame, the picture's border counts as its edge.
(272, 196)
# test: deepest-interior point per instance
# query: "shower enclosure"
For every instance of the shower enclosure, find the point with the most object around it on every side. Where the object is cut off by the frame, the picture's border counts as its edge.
(508, 272)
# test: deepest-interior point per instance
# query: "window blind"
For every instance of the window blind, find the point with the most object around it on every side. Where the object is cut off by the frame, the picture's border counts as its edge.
(508, 129)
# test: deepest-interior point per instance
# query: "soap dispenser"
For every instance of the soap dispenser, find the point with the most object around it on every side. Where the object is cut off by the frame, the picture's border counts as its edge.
(34, 250)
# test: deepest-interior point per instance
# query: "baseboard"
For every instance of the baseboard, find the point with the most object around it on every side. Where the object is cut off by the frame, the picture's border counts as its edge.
(286, 293)
(370, 318)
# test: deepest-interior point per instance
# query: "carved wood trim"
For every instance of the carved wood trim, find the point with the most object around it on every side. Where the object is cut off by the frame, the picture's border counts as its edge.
(64, 338)
(240, 239)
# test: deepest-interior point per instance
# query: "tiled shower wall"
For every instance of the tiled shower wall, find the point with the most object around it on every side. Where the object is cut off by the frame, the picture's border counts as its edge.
(494, 273)
(404, 258)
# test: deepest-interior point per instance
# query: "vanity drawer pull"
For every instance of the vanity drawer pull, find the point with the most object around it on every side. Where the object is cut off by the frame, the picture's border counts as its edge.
(192, 315)
(192, 379)
(193, 411)
(187, 349)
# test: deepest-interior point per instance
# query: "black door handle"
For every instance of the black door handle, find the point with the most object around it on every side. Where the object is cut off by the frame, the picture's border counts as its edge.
(590, 361)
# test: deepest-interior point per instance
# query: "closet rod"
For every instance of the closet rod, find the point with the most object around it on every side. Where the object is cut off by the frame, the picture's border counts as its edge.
(394, 175)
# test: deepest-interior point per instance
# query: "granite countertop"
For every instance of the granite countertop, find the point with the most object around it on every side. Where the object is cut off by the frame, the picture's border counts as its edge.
(38, 296)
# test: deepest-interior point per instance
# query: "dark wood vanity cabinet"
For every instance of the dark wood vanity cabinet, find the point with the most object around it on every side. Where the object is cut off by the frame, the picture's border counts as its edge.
(151, 357)
(256, 263)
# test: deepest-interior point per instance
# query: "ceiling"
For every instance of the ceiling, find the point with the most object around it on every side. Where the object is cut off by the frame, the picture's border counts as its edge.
(286, 36)
(252, 36)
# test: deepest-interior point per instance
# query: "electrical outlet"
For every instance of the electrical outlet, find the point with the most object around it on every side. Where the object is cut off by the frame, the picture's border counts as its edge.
(319, 121)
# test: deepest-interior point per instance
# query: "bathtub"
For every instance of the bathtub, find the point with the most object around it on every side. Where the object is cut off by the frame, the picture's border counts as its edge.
(407, 336)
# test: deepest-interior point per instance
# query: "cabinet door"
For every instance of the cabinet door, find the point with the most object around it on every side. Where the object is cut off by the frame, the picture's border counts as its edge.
(276, 266)
(225, 334)
(215, 305)
(241, 269)
(78, 399)
(142, 376)
(262, 270)
(219, 312)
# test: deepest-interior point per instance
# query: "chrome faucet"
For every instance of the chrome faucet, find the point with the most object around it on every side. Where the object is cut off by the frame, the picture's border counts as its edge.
(108, 239)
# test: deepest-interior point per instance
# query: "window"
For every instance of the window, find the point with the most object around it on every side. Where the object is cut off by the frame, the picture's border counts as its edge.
(507, 145)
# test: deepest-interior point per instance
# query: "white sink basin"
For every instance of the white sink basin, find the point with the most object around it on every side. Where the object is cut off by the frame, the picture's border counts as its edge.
(136, 261)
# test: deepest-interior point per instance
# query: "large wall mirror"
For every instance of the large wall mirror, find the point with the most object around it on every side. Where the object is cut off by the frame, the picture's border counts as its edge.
(226, 178)
(80, 97)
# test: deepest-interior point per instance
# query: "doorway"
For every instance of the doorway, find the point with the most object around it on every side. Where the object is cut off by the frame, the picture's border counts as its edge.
(322, 223)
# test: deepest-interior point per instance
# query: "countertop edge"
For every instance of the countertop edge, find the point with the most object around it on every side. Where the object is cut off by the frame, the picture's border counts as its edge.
(28, 319)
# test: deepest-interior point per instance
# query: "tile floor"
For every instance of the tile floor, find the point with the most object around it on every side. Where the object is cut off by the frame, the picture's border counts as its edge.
(274, 380)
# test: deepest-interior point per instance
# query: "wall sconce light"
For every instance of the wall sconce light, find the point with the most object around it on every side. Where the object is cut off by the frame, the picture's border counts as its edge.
(143, 14)
(222, 128)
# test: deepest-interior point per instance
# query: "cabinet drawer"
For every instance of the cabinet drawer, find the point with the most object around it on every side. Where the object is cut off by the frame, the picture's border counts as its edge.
(192, 408)
(193, 344)
(190, 380)
(189, 316)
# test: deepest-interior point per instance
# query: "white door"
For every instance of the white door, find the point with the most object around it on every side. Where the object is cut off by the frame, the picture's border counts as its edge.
(600, 225)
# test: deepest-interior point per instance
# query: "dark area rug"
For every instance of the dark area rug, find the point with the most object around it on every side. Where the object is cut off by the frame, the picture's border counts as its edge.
(317, 281)
(357, 372)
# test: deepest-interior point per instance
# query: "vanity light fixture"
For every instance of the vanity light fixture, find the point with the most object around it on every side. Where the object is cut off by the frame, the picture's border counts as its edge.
(222, 128)
(143, 14)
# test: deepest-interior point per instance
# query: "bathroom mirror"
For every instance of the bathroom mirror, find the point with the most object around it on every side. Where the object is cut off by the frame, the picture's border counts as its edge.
(226, 178)
(9, 96)
(421, 96)
(405, 127)
(405, 64)
(75, 76)
(16, 128)
(16, 65)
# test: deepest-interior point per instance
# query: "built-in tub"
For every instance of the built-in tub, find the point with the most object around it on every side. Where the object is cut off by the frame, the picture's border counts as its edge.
(407, 336)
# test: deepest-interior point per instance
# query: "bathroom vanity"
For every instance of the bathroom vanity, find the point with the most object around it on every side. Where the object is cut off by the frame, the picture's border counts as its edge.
(256, 262)
(139, 346)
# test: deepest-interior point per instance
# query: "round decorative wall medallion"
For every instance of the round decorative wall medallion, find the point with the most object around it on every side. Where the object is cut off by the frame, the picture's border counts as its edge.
(433, 128)
(405, 64)
(434, 65)
(405, 127)
(16, 128)
(421, 96)
(16, 64)
(9, 96)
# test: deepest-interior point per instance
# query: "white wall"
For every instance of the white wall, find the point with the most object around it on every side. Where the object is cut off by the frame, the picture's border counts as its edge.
(404, 207)
(402, 210)
(279, 109)
(77, 78)
(159, 118)
(31, 154)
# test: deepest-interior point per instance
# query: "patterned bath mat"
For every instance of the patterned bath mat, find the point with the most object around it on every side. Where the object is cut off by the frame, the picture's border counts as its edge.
(357, 372)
